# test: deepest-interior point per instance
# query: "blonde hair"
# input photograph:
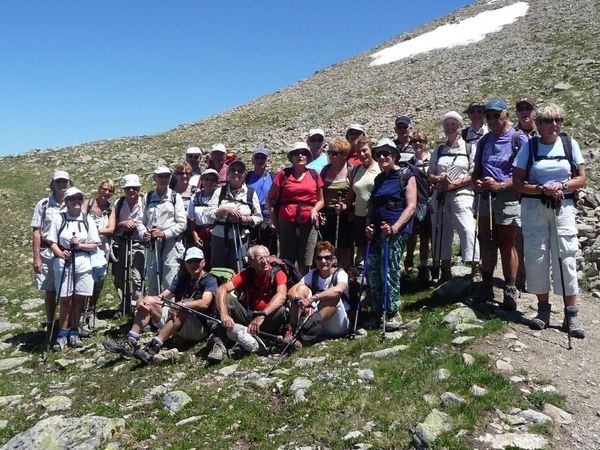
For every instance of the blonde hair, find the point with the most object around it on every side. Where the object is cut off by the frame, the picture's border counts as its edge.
(111, 184)
(549, 111)
(182, 167)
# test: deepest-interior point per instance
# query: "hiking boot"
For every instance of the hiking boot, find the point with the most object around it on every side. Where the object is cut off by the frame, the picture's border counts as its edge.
(572, 324)
(218, 352)
(75, 341)
(237, 351)
(511, 294)
(477, 274)
(393, 323)
(423, 275)
(446, 275)
(147, 352)
(542, 319)
(484, 292)
(409, 263)
(60, 344)
(125, 348)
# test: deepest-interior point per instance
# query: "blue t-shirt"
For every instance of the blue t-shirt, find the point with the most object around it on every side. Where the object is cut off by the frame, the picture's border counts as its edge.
(549, 170)
(185, 287)
(319, 163)
(261, 184)
(497, 154)
(386, 192)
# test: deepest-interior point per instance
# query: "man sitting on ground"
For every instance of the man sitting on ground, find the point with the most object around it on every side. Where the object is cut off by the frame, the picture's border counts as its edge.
(195, 288)
(263, 293)
(322, 298)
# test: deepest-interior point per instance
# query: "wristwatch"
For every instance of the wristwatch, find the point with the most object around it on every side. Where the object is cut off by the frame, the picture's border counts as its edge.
(503, 185)
(565, 186)
(260, 313)
(540, 188)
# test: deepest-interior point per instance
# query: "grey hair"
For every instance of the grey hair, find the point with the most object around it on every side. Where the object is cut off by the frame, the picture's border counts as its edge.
(549, 110)
(255, 248)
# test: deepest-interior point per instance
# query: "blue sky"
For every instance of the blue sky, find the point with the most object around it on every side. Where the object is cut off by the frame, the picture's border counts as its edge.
(79, 71)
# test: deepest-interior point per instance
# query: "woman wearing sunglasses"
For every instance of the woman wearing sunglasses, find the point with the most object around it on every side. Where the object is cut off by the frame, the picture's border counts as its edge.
(547, 177)
(72, 236)
(199, 222)
(180, 182)
(389, 224)
(499, 208)
(338, 226)
(294, 201)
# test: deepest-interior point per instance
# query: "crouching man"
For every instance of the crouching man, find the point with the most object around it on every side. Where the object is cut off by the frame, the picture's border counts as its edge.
(195, 288)
(320, 300)
(263, 291)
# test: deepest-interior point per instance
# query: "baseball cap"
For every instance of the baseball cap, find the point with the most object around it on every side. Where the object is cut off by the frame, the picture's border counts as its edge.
(162, 170)
(210, 171)
(237, 162)
(130, 180)
(357, 127)
(403, 120)
(193, 151)
(72, 192)
(260, 151)
(60, 175)
(218, 148)
(452, 115)
(194, 253)
(316, 131)
(529, 100)
(473, 105)
(496, 104)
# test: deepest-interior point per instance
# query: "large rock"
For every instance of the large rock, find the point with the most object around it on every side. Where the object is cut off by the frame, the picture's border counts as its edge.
(32, 303)
(299, 387)
(385, 352)
(7, 326)
(524, 441)
(11, 363)
(557, 414)
(436, 423)
(57, 403)
(175, 401)
(464, 314)
(533, 416)
(76, 433)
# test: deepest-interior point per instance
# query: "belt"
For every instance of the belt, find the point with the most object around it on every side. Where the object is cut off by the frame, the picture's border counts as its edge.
(568, 196)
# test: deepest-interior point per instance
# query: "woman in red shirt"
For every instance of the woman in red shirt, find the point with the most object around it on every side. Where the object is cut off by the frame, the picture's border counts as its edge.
(295, 199)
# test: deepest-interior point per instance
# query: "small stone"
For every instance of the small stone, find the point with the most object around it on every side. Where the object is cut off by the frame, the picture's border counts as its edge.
(175, 401)
(31, 303)
(11, 363)
(63, 363)
(460, 315)
(361, 333)
(504, 365)
(307, 362)
(535, 416)
(508, 336)
(366, 375)
(478, 391)
(57, 403)
(361, 446)
(462, 340)
(562, 86)
(468, 360)
(443, 374)
(463, 327)
(547, 388)
(227, 370)
(426, 432)
(524, 441)
(3, 424)
(189, 420)
(384, 352)
(393, 335)
(450, 399)
(411, 325)
(516, 379)
(557, 414)
(10, 400)
(7, 326)
(353, 435)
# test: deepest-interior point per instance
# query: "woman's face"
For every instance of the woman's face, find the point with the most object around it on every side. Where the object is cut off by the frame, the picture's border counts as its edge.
(549, 128)
(299, 158)
(73, 204)
(385, 158)
(237, 174)
(209, 183)
(162, 180)
(452, 127)
(105, 191)
(336, 157)
(183, 176)
(365, 155)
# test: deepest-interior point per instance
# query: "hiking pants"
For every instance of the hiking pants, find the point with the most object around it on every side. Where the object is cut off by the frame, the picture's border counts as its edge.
(170, 251)
(136, 272)
(377, 271)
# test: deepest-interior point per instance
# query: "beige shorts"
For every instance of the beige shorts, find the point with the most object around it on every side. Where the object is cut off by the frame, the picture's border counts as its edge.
(506, 208)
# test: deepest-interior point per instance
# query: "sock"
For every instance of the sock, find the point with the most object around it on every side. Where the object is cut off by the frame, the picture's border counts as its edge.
(157, 342)
(510, 281)
(62, 333)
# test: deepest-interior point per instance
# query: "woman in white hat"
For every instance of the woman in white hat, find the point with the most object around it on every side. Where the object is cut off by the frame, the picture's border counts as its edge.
(450, 172)
(72, 236)
(199, 221)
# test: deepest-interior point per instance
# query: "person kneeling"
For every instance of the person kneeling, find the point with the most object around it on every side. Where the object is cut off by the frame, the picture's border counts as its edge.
(320, 300)
(195, 288)
(264, 290)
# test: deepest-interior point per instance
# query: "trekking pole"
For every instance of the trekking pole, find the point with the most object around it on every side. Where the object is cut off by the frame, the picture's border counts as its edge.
(56, 305)
(439, 235)
(490, 213)
(362, 286)
(337, 218)
(477, 202)
(157, 261)
(288, 345)
(562, 277)
(127, 287)
(237, 249)
(72, 313)
(240, 245)
(386, 262)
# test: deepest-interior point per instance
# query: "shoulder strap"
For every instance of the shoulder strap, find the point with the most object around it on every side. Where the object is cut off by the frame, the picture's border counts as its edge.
(249, 196)
(222, 194)
(516, 142)
(119, 206)
(148, 196)
(173, 197)
(533, 150)
(44, 208)
(63, 224)
(313, 172)
(335, 277)
(568, 149)
(480, 146)
(314, 284)
(464, 133)
(469, 149)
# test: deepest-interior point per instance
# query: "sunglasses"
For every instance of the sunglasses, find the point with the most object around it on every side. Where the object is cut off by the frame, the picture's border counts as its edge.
(333, 153)
(210, 179)
(302, 153)
(384, 153)
(192, 156)
(418, 142)
(401, 127)
(476, 111)
(354, 133)
(315, 139)
(259, 156)
(549, 120)
(77, 199)
(189, 174)
(131, 188)
(495, 115)
(324, 257)
(163, 175)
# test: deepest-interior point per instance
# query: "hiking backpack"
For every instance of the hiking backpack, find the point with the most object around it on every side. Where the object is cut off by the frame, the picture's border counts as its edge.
(423, 190)
(248, 202)
(149, 196)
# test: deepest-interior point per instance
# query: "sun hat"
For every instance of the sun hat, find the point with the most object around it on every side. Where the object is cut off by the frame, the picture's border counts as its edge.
(130, 180)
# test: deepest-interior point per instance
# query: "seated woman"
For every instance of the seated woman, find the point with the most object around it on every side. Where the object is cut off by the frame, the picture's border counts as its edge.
(320, 300)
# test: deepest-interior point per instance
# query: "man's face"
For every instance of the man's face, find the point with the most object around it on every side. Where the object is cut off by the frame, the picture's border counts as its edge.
(61, 185)
(194, 267)
(352, 136)
(193, 159)
(476, 113)
(526, 115)
(260, 161)
(315, 143)
(260, 261)
(217, 157)
(162, 179)
(497, 120)
(403, 133)
(131, 191)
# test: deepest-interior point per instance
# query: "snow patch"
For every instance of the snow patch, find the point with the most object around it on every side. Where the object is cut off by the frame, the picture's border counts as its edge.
(466, 32)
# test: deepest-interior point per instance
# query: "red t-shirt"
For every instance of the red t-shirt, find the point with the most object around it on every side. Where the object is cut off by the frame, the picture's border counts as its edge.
(353, 159)
(295, 191)
(261, 291)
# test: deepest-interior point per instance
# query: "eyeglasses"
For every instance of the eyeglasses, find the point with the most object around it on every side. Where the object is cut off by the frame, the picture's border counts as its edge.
(418, 142)
(324, 257)
(131, 188)
(493, 115)
(163, 175)
(476, 111)
(260, 259)
(77, 199)
(384, 153)
(210, 179)
(549, 120)
(315, 139)
(189, 174)
(333, 153)
(297, 153)
(524, 108)
(192, 156)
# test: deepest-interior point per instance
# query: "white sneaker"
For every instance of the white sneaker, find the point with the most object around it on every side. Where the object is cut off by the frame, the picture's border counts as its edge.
(239, 333)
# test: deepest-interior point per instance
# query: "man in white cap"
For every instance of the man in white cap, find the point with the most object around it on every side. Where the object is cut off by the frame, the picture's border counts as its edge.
(216, 161)
(260, 179)
(354, 132)
(317, 145)
(195, 290)
(193, 155)
(43, 214)
(130, 246)
(162, 225)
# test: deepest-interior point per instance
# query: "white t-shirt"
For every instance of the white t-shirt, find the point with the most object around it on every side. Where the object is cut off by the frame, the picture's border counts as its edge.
(453, 161)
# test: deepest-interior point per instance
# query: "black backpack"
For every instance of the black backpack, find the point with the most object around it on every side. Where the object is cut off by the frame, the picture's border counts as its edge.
(249, 195)
(65, 220)
(423, 190)
(149, 196)
(314, 283)
(515, 143)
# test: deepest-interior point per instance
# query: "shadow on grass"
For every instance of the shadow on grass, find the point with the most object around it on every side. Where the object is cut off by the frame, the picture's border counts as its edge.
(29, 341)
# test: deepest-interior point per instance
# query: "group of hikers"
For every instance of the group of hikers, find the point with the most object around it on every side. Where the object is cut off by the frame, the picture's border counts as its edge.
(249, 258)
